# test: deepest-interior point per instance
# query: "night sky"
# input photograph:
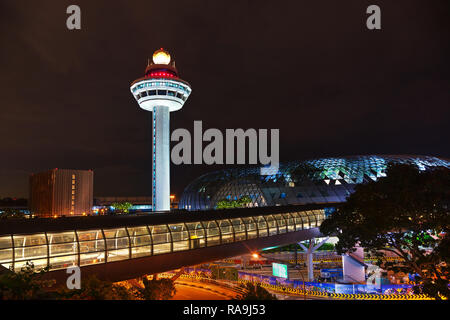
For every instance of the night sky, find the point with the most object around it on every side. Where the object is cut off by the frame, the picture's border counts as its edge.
(309, 68)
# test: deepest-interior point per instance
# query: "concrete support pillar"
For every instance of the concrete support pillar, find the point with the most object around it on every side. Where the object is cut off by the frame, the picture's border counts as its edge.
(310, 264)
(245, 259)
(353, 266)
(310, 255)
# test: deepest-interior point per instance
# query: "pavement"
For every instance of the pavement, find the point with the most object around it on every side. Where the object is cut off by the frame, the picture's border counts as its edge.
(201, 291)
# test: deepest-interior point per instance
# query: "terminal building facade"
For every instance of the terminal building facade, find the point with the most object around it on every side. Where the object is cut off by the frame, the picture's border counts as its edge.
(319, 181)
(61, 192)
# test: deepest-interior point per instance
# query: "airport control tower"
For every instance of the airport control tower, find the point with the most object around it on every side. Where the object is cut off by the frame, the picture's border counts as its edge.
(161, 91)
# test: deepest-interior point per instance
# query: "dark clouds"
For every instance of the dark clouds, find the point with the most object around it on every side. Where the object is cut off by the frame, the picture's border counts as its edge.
(309, 68)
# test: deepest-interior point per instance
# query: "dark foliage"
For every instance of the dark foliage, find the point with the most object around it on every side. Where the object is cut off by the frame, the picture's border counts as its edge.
(405, 213)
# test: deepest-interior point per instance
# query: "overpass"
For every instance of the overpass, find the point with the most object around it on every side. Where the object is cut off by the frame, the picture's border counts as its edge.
(123, 247)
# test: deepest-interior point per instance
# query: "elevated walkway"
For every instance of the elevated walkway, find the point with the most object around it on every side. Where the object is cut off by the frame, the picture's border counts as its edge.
(125, 247)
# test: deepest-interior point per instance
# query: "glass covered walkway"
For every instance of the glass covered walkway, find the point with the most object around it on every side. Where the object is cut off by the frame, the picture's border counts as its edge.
(60, 250)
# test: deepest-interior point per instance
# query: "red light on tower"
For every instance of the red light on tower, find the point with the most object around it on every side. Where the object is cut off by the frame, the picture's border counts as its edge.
(162, 74)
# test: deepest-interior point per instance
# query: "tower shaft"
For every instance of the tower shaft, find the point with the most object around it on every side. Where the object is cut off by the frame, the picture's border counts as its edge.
(161, 159)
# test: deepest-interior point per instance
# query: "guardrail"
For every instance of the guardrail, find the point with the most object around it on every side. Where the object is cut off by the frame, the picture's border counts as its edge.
(340, 296)
(300, 292)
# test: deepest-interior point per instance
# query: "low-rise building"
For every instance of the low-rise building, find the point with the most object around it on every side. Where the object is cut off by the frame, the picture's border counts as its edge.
(61, 192)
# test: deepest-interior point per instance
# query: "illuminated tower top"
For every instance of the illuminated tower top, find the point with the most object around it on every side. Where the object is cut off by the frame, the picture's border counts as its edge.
(161, 56)
(161, 84)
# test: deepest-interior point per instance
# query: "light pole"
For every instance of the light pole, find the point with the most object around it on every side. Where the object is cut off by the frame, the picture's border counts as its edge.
(304, 287)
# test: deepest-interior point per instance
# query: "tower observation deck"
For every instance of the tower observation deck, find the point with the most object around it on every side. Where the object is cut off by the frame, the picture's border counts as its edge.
(160, 91)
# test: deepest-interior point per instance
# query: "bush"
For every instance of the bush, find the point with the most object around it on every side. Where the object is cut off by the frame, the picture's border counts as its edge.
(25, 284)
(255, 292)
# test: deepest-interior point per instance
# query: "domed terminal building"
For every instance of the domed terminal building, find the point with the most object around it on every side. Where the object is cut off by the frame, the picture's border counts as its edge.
(319, 181)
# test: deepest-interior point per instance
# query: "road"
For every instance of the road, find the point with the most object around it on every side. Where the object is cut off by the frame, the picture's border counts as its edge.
(193, 290)
(201, 291)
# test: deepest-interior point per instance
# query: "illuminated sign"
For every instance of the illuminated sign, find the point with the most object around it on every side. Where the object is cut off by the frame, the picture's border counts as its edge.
(280, 270)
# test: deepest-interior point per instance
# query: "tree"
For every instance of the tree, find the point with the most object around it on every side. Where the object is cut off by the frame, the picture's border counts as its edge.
(224, 204)
(255, 292)
(224, 273)
(25, 284)
(11, 213)
(122, 207)
(230, 204)
(94, 289)
(157, 289)
(405, 213)
(244, 200)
